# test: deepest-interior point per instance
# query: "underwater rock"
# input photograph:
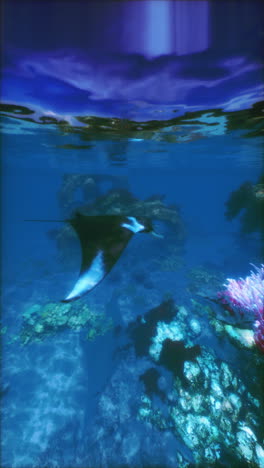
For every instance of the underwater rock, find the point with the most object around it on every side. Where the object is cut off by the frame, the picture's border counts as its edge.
(174, 354)
(171, 330)
(191, 371)
(208, 415)
(162, 335)
(195, 327)
(144, 328)
(240, 337)
(260, 455)
(226, 376)
(150, 380)
(234, 327)
(211, 405)
(246, 440)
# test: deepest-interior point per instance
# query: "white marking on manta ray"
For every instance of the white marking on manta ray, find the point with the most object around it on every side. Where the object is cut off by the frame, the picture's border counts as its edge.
(135, 226)
(89, 278)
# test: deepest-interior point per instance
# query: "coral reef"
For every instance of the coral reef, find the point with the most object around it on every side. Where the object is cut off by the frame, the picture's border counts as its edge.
(150, 380)
(174, 354)
(246, 296)
(226, 325)
(208, 407)
(248, 199)
(214, 415)
(83, 187)
(79, 190)
(203, 281)
(144, 328)
(42, 321)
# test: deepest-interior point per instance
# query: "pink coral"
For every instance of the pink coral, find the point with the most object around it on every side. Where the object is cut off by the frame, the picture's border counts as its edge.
(246, 295)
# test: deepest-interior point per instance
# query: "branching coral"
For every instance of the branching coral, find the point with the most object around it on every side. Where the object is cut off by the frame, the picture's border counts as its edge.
(246, 295)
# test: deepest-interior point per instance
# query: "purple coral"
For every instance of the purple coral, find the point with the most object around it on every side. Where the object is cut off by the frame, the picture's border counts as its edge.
(246, 295)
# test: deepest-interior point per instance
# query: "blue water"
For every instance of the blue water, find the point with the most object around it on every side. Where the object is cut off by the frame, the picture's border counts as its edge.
(168, 113)
(53, 408)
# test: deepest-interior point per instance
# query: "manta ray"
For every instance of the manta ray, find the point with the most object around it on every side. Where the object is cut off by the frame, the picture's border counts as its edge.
(102, 239)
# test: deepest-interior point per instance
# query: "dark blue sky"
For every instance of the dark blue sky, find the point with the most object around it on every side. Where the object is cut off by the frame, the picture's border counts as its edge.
(120, 57)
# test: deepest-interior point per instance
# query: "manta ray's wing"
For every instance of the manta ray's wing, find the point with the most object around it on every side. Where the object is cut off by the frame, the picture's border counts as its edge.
(102, 239)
